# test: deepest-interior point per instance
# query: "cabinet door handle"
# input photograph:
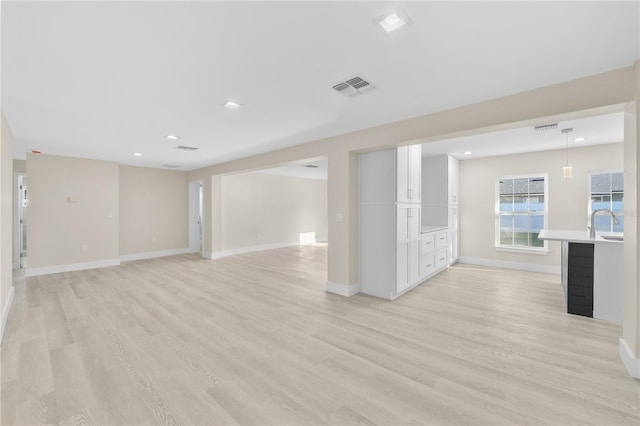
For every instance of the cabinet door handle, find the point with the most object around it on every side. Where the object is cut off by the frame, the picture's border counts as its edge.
(410, 193)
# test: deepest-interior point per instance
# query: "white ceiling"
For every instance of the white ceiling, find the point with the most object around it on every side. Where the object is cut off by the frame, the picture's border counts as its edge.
(106, 79)
(301, 170)
(598, 130)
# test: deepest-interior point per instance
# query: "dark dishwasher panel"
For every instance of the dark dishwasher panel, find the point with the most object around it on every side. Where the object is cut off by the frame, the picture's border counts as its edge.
(580, 279)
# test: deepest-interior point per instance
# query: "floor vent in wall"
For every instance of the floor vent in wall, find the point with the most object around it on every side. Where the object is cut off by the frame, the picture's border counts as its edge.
(353, 87)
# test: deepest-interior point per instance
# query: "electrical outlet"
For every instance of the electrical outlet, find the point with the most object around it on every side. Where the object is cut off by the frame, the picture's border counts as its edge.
(83, 248)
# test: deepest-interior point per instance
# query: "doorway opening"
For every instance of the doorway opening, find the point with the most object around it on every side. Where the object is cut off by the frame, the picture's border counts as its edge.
(20, 221)
(195, 217)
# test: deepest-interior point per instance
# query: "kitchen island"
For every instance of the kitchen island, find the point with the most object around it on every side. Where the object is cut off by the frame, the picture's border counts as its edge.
(592, 274)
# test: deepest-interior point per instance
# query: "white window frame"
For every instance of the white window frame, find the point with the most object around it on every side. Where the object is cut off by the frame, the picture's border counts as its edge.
(521, 249)
(589, 206)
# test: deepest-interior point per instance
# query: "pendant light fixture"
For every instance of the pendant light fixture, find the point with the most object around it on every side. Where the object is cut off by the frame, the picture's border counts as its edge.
(567, 169)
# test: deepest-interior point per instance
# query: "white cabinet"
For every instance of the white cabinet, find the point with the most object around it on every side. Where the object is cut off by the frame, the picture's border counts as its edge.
(408, 246)
(454, 234)
(409, 165)
(390, 221)
(453, 182)
(391, 176)
(434, 251)
(440, 198)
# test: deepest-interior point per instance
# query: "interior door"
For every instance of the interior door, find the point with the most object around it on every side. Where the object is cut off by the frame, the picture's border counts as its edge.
(195, 216)
(22, 219)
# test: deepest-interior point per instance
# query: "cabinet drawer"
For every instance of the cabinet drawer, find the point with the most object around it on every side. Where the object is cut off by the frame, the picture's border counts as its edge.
(581, 271)
(442, 239)
(428, 242)
(427, 264)
(581, 250)
(441, 258)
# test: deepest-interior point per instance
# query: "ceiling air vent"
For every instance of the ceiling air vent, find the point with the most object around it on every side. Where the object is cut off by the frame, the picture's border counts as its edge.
(353, 87)
(170, 166)
(186, 148)
(311, 166)
(546, 127)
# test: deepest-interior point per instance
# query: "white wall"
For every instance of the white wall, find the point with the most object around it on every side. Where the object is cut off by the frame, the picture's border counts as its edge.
(567, 200)
(260, 209)
(73, 203)
(153, 211)
(6, 220)
(630, 343)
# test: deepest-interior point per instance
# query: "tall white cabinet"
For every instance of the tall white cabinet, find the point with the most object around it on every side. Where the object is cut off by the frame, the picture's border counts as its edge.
(441, 198)
(390, 221)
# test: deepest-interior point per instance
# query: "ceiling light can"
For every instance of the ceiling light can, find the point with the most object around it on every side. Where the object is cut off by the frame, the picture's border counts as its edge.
(231, 105)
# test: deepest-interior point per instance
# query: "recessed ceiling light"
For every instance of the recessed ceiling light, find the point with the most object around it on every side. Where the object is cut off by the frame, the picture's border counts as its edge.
(172, 137)
(137, 154)
(580, 139)
(232, 105)
(392, 21)
(468, 153)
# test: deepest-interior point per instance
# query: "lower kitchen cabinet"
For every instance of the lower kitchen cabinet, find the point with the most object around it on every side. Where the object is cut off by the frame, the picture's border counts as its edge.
(580, 279)
(389, 246)
(434, 251)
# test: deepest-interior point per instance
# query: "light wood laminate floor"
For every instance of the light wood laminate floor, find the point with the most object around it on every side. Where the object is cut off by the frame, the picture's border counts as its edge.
(254, 339)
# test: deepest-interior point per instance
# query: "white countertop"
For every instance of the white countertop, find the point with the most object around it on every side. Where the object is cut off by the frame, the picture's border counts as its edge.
(431, 228)
(577, 236)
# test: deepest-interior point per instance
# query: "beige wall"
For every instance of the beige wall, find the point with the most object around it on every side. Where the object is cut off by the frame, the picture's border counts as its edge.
(153, 210)
(20, 166)
(6, 215)
(631, 308)
(263, 209)
(598, 94)
(567, 199)
(59, 227)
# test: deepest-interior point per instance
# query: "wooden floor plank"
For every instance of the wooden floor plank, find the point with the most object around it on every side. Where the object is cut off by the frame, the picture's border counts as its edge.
(254, 339)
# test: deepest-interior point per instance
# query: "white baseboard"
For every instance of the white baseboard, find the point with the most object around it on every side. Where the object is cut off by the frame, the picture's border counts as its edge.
(521, 266)
(5, 311)
(212, 256)
(261, 247)
(346, 290)
(46, 270)
(630, 361)
(250, 249)
(153, 254)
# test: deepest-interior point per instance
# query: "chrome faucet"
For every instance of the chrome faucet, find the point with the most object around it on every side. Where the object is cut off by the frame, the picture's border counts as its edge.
(592, 228)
